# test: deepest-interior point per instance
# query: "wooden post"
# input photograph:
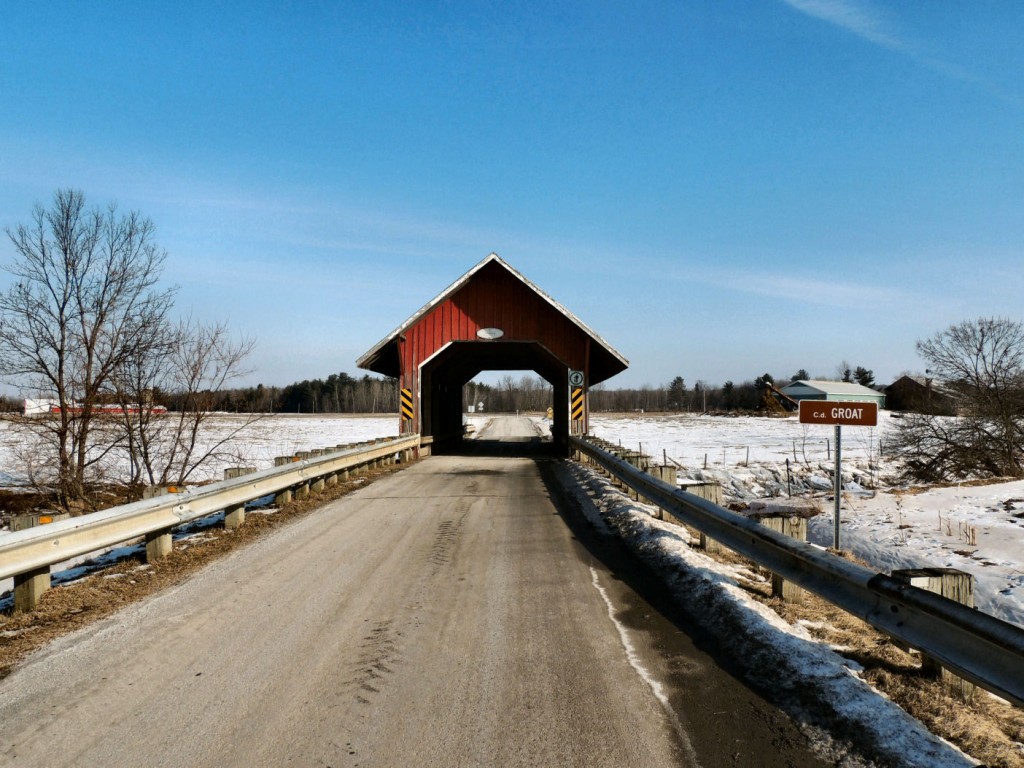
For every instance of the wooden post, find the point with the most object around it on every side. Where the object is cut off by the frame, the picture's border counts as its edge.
(633, 459)
(667, 474)
(158, 545)
(713, 493)
(32, 519)
(796, 528)
(234, 515)
(29, 588)
(788, 517)
(283, 497)
(957, 586)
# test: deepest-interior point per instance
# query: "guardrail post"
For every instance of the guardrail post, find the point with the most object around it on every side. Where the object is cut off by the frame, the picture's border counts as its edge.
(234, 515)
(634, 459)
(952, 584)
(31, 520)
(29, 588)
(795, 527)
(284, 496)
(713, 493)
(158, 545)
(667, 474)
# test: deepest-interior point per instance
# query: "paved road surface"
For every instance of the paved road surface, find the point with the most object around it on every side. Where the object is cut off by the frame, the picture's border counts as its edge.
(444, 616)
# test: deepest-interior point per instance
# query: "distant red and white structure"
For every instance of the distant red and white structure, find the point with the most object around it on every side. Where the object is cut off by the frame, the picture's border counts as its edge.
(47, 407)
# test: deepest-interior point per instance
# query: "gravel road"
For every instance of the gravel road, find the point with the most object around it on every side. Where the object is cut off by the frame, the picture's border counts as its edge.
(447, 615)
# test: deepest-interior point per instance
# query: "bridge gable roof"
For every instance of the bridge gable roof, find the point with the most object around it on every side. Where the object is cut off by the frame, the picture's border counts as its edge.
(605, 361)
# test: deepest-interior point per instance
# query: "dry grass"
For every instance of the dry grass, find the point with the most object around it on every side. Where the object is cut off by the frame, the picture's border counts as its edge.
(67, 608)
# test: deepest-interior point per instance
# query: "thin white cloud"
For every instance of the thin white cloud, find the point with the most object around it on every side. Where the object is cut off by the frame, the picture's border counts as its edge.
(854, 17)
(803, 290)
(871, 23)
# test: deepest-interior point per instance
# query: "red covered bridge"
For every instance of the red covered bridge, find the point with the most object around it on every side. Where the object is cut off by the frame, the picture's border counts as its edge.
(490, 319)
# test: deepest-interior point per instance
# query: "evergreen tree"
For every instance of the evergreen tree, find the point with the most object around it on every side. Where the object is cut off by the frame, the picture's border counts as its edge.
(676, 394)
(864, 376)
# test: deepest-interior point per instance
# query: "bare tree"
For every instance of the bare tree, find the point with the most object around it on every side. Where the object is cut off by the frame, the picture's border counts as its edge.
(844, 371)
(982, 363)
(194, 362)
(84, 299)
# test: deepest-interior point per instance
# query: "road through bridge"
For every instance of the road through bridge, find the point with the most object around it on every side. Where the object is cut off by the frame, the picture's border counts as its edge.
(456, 613)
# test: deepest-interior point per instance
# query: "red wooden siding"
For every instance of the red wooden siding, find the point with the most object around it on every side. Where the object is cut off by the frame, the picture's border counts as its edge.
(494, 299)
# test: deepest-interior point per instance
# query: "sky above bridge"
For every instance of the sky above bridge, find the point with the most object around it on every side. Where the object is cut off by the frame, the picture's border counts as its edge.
(719, 189)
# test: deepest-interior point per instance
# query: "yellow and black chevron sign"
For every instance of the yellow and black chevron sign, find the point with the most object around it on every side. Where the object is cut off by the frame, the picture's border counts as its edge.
(407, 411)
(577, 403)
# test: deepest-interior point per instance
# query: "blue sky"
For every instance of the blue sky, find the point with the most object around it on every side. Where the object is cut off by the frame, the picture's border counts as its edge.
(719, 189)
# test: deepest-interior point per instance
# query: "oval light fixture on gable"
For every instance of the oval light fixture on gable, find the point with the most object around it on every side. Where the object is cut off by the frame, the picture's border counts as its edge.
(490, 333)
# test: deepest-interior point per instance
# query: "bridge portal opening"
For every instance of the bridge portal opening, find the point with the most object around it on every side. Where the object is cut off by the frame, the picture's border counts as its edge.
(490, 319)
(444, 381)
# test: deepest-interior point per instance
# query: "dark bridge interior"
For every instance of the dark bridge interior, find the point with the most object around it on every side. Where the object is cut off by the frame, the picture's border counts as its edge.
(445, 375)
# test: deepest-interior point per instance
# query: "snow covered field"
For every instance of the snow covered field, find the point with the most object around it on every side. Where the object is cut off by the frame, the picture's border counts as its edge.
(266, 437)
(978, 529)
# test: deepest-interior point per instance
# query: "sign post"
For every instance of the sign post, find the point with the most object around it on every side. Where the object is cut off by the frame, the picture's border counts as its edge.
(576, 402)
(837, 487)
(853, 414)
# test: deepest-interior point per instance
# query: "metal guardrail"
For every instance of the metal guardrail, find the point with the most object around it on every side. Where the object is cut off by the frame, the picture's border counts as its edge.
(981, 648)
(26, 551)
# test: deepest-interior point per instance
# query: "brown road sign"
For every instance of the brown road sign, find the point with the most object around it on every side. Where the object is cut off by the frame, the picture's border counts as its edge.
(833, 412)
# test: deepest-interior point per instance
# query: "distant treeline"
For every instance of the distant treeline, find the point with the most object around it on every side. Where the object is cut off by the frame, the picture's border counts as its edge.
(338, 393)
(534, 394)
(342, 393)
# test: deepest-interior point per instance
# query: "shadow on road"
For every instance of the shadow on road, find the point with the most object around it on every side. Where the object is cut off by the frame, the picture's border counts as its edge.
(678, 632)
(508, 447)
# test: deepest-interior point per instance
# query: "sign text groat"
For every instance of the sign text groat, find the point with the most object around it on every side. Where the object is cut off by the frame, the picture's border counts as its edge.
(833, 412)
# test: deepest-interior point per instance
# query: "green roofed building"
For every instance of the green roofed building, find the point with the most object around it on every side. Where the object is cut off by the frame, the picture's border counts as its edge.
(815, 389)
